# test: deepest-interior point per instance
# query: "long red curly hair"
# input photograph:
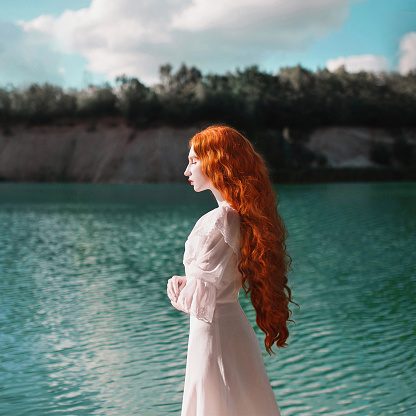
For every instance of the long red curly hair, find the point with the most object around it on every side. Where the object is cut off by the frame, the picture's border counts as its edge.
(229, 160)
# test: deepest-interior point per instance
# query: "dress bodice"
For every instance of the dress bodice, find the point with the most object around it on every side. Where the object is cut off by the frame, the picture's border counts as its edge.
(211, 257)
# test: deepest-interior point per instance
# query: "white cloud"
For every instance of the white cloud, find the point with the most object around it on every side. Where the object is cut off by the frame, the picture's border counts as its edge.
(135, 38)
(245, 14)
(407, 60)
(370, 63)
(27, 56)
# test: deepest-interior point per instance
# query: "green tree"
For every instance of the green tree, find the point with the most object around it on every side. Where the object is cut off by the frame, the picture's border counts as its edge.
(96, 101)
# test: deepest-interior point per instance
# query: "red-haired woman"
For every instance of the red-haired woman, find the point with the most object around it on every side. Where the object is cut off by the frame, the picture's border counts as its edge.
(239, 244)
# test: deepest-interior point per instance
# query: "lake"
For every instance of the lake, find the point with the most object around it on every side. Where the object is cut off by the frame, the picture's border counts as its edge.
(86, 327)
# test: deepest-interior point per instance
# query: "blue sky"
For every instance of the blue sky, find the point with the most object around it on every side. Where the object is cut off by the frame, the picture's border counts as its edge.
(80, 42)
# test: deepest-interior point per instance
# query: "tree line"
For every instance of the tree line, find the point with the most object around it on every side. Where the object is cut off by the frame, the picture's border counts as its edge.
(248, 99)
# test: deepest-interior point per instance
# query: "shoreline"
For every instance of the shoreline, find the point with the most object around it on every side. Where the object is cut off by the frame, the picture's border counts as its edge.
(284, 176)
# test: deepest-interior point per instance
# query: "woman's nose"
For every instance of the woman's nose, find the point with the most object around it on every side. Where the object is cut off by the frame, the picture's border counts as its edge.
(186, 173)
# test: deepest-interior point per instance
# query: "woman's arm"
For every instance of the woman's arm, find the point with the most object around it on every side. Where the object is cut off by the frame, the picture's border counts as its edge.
(204, 275)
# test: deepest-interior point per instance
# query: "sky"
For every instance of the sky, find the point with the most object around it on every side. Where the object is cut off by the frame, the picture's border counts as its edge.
(79, 42)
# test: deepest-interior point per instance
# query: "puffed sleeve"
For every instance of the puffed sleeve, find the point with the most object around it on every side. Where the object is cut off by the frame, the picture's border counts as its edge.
(204, 273)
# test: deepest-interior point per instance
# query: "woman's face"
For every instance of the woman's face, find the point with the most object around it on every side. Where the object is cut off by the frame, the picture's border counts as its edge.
(195, 175)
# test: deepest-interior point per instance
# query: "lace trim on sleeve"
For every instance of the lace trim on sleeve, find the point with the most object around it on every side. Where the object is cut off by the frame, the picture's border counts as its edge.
(198, 299)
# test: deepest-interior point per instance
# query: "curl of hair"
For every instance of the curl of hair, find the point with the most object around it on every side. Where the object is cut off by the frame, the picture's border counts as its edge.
(229, 160)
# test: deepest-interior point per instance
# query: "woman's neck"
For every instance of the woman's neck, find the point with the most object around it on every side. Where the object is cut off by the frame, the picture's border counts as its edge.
(218, 196)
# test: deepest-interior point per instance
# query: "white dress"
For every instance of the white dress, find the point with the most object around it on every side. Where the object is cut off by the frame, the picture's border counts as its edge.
(225, 372)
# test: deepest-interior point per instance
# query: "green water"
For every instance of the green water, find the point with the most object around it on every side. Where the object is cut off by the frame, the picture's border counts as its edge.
(87, 329)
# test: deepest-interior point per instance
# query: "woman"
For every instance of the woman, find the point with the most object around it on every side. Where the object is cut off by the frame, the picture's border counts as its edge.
(239, 244)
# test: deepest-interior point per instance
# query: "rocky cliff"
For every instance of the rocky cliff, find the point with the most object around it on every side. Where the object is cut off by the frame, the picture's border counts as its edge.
(109, 151)
(104, 152)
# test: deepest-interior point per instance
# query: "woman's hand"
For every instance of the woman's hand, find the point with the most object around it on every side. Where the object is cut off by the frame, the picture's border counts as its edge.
(175, 285)
(177, 306)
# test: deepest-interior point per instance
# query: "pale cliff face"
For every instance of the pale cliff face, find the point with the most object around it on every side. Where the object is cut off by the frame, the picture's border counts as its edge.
(350, 147)
(108, 154)
(112, 152)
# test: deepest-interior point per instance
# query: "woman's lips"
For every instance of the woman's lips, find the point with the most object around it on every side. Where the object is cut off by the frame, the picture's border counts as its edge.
(192, 182)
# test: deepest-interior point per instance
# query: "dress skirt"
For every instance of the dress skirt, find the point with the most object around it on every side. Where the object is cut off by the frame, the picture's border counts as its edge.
(225, 372)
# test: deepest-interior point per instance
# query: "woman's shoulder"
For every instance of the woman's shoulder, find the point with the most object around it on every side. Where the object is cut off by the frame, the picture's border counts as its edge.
(223, 213)
(226, 216)
(221, 217)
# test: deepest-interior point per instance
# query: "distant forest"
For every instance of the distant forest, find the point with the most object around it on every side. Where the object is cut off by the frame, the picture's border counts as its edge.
(250, 99)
